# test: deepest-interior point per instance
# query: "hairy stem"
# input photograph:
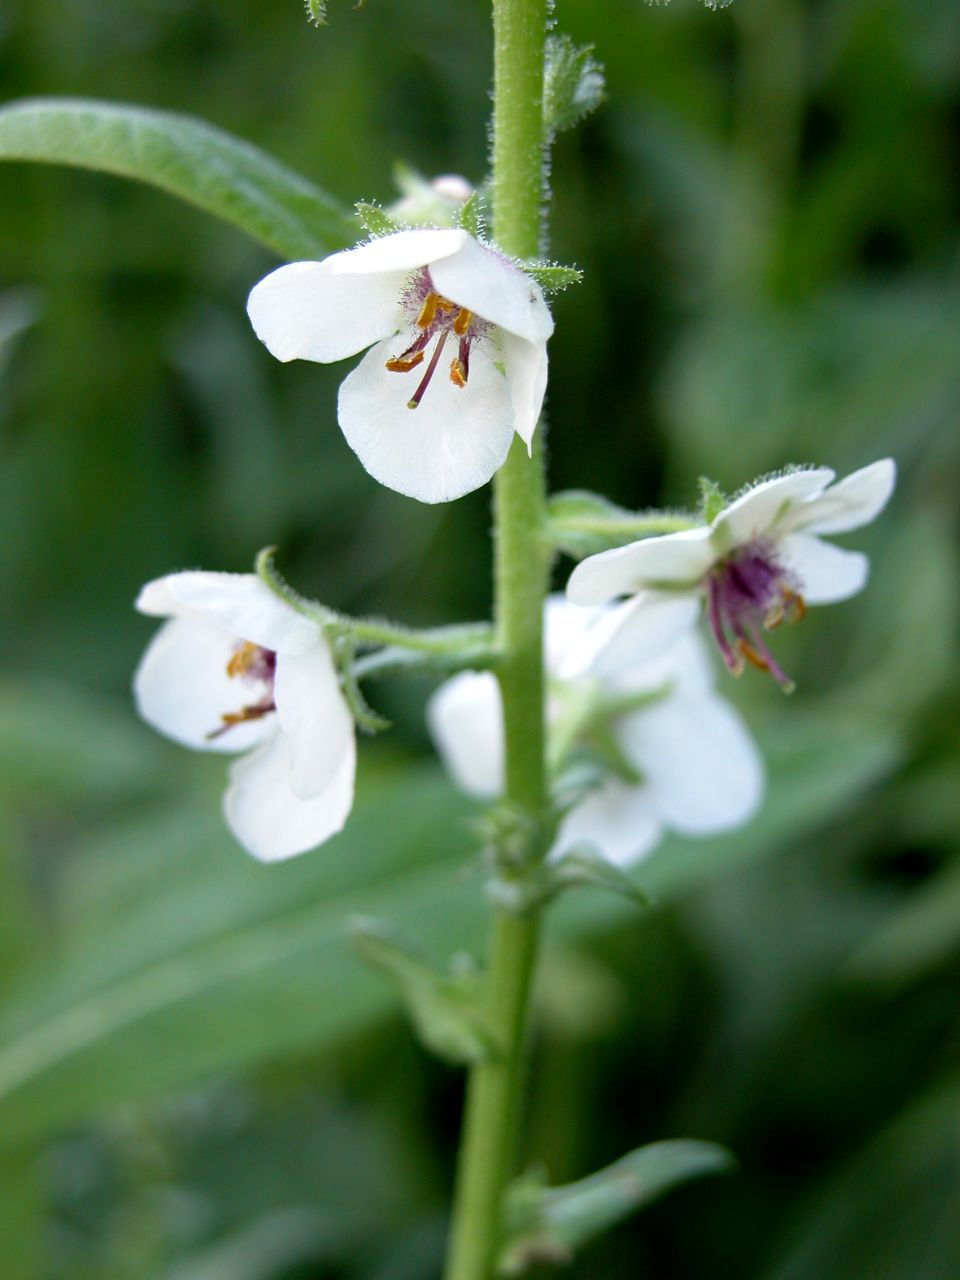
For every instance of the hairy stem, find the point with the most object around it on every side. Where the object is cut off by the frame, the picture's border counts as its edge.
(520, 582)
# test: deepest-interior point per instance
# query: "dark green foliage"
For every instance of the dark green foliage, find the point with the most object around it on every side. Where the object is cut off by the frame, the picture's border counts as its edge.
(766, 217)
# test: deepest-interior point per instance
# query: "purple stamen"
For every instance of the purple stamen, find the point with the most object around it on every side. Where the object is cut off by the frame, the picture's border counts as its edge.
(745, 593)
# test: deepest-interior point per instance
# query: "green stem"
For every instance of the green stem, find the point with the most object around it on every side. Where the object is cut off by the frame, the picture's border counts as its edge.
(613, 527)
(520, 583)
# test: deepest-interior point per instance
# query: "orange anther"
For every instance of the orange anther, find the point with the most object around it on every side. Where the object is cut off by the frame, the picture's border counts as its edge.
(403, 364)
(796, 606)
(749, 652)
(458, 372)
(462, 322)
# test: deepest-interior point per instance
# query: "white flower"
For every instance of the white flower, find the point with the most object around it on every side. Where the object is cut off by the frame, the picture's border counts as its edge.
(419, 299)
(237, 669)
(759, 561)
(698, 771)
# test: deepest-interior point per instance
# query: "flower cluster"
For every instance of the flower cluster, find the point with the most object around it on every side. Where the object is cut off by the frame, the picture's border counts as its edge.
(678, 756)
(640, 741)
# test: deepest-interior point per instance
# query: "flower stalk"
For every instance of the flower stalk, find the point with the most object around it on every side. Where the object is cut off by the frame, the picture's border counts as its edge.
(520, 584)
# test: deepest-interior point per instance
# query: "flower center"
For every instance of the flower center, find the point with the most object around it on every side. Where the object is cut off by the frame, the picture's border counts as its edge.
(748, 593)
(434, 317)
(256, 665)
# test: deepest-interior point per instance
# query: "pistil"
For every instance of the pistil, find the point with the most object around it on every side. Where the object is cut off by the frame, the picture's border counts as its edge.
(417, 396)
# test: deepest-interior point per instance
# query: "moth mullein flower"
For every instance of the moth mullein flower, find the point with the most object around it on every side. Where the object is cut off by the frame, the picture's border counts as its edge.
(760, 561)
(236, 669)
(690, 765)
(457, 360)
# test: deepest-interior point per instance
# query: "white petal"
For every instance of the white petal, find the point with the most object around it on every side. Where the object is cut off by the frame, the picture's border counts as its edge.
(181, 687)
(683, 668)
(853, 502)
(619, 819)
(759, 510)
(402, 251)
(246, 607)
(526, 368)
(687, 665)
(466, 723)
(495, 289)
(825, 574)
(314, 716)
(269, 818)
(623, 643)
(703, 770)
(677, 560)
(452, 443)
(304, 311)
(565, 628)
(156, 601)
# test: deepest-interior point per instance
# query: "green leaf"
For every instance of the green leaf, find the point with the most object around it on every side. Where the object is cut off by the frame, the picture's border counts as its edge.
(551, 277)
(573, 84)
(199, 163)
(923, 933)
(185, 958)
(548, 1224)
(445, 1008)
(891, 1211)
(178, 958)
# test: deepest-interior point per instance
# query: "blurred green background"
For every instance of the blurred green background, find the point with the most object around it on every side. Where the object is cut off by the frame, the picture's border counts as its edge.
(198, 1080)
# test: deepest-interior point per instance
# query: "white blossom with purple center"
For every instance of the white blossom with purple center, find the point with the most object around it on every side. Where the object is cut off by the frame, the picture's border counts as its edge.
(760, 561)
(689, 763)
(458, 352)
(236, 669)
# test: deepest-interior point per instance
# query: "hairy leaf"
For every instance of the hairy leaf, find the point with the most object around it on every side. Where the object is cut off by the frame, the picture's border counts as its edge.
(188, 158)
(573, 84)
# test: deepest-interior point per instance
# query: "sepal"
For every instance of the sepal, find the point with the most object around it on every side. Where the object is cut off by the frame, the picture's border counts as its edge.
(316, 11)
(552, 276)
(573, 84)
(377, 221)
(548, 1224)
(712, 499)
(364, 715)
(445, 1008)
(469, 215)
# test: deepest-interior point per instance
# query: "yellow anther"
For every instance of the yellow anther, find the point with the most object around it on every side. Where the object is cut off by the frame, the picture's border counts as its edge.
(428, 310)
(242, 659)
(462, 322)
